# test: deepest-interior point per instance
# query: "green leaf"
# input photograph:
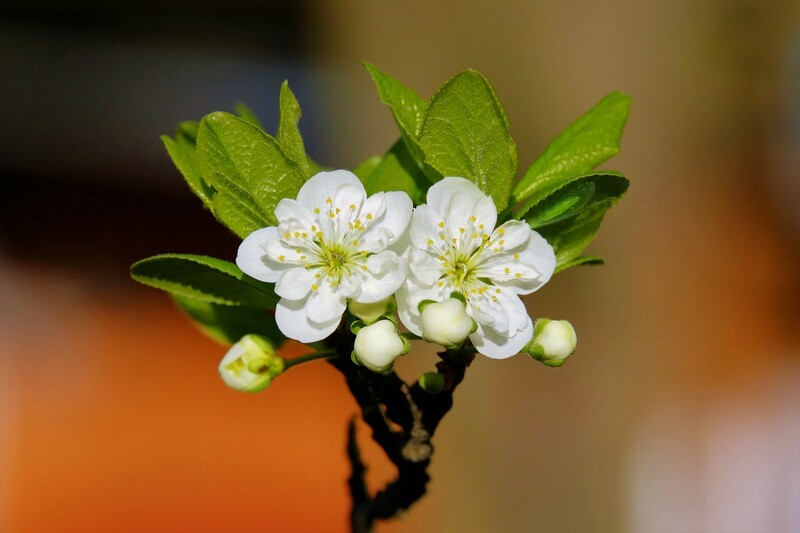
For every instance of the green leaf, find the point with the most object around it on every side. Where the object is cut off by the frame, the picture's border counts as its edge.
(570, 237)
(592, 139)
(366, 168)
(407, 106)
(249, 167)
(398, 172)
(584, 260)
(227, 324)
(408, 109)
(246, 114)
(465, 133)
(574, 196)
(203, 278)
(182, 151)
(288, 135)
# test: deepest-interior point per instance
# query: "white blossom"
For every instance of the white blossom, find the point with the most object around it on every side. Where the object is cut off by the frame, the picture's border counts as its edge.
(446, 323)
(455, 247)
(330, 245)
(553, 341)
(377, 346)
(250, 365)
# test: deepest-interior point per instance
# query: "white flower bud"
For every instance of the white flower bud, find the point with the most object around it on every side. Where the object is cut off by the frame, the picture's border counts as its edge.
(553, 341)
(378, 345)
(446, 323)
(250, 365)
(370, 313)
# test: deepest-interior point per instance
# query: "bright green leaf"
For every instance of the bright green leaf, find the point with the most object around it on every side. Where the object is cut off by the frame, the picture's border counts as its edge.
(584, 260)
(227, 324)
(398, 172)
(592, 139)
(248, 166)
(574, 196)
(246, 114)
(570, 237)
(288, 133)
(408, 109)
(366, 168)
(242, 217)
(465, 133)
(182, 151)
(203, 278)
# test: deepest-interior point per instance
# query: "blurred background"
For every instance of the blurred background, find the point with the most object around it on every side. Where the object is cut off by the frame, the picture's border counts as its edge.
(680, 411)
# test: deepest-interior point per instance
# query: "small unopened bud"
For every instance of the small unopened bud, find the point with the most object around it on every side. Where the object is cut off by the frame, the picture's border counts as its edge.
(378, 345)
(250, 365)
(446, 323)
(431, 382)
(370, 313)
(553, 341)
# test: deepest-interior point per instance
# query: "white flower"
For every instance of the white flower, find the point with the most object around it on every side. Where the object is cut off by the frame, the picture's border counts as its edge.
(250, 365)
(456, 248)
(378, 345)
(553, 341)
(330, 245)
(446, 323)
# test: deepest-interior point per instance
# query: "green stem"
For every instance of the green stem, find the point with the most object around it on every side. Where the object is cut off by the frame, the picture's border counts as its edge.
(322, 354)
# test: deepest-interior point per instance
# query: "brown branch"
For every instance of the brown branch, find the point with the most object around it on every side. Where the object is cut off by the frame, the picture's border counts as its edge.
(386, 399)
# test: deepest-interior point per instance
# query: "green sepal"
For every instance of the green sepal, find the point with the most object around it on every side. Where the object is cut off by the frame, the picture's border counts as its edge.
(573, 196)
(458, 296)
(590, 140)
(356, 325)
(406, 345)
(465, 133)
(423, 304)
(431, 382)
(203, 278)
(227, 324)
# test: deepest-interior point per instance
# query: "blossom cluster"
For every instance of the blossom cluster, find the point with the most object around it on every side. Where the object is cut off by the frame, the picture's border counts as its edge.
(454, 273)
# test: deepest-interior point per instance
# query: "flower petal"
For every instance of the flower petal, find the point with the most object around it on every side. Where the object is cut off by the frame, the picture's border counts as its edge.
(385, 273)
(295, 283)
(293, 321)
(252, 256)
(325, 304)
(500, 346)
(392, 223)
(424, 226)
(324, 185)
(445, 191)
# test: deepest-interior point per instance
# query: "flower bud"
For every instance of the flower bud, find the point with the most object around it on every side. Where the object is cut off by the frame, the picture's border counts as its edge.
(446, 323)
(378, 345)
(370, 313)
(250, 365)
(431, 382)
(553, 341)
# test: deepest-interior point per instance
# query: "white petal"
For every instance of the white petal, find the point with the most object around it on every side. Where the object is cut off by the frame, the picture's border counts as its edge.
(394, 218)
(409, 316)
(443, 192)
(385, 273)
(252, 255)
(424, 226)
(325, 304)
(424, 267)
(295, 283)
(324, 185)
(499, 346)
(293, 322)
(410, 296)
(290, 209)
(513, 233)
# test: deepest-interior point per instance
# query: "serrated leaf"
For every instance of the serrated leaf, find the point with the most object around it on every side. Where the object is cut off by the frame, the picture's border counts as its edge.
(570, 237)
(408, 110)
(465, 133)
(366, 168)
(570, 197)
(398, 172)
(242, 217)
(590, 140)
(182, 151)
(246, 114)
(248, 165)
(227, 324)
(203, 278)
(288, 135)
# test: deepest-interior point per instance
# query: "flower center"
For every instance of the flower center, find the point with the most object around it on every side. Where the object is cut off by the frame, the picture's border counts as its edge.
(334, 260)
